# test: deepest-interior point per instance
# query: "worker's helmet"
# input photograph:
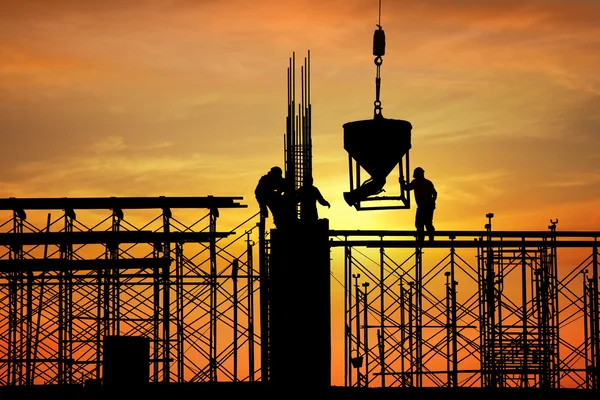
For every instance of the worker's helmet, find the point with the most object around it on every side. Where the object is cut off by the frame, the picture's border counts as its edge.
(418, 172)
(276, 171)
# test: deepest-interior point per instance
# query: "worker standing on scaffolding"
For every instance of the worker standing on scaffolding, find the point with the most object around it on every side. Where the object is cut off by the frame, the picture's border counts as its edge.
(425, 197)
(308, 195)
(269, 194)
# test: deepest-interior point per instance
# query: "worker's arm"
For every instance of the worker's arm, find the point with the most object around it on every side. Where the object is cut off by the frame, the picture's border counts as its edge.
(322, 200)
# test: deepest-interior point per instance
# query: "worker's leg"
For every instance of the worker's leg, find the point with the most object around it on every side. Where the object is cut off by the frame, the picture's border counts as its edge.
(420, 225)
(275, 208)
(428, 216)
(264, 211)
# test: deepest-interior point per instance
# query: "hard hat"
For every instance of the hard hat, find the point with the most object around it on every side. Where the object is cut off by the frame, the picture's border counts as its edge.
(419, 171)
(276, 171)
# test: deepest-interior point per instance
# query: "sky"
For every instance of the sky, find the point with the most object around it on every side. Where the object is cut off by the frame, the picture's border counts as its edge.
(189, 98)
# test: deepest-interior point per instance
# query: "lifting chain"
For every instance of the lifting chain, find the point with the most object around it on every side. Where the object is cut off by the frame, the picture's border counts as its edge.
(378, 52)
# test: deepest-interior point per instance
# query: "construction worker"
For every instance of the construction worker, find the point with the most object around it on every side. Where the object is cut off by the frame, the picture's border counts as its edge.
(269, 193)
(308, 195)
(425, 197)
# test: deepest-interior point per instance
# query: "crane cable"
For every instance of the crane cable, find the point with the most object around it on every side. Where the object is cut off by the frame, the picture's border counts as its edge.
(378, 52)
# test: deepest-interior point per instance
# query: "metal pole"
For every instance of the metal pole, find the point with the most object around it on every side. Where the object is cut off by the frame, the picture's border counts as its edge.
(411, 332)
(595, 322)
(158, 249)
(419, 317)
(366, 331)
(586, 329)
(39, 310)
(382, 315)
(166, 307)
(404, 380)
(453, 284)
(234, 277)
(264, 301)
(250, 283)
(448, 331)
(213, 296)
(524, 333)
(358, 342)
(179, 295)
(347, 318)
(29, 337)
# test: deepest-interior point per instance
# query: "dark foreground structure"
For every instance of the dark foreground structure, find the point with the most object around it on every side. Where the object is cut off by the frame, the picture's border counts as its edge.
(259, 391)
(96, 299)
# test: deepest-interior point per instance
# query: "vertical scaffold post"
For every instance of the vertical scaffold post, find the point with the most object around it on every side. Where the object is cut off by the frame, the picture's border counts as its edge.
(250, 305)
(381, 336)
(15, 290)
(29, 328)
(358, 359)
(595, 319)
(64, 305)
(411, 333)
(115, 287)
(453, 314)
(42, 286)
(448, 330)
(524, 322)
(158, 251)
(366, 330)
(264, 301)
(347, 318)
(180, 314)
(403, 377)
(419, 317)
(166, 306)
(214, 214)
(234, 277)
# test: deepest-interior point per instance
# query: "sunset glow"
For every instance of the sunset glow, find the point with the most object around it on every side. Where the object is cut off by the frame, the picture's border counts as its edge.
(189, 98)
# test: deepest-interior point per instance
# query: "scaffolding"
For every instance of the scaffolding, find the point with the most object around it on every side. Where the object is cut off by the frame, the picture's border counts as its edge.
(67, 281)
(518, 320)
(485, 308)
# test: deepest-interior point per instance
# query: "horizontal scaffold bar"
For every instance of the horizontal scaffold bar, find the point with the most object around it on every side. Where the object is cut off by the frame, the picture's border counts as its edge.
(471, 234)
(54, 264)
(102, 237)
(122, 203)
(482, 244)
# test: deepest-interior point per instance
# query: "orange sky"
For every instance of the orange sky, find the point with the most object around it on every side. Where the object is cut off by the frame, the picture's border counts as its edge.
(188, 98)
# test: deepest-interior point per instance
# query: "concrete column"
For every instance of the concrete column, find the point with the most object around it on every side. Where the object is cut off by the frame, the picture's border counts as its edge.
(300, 306)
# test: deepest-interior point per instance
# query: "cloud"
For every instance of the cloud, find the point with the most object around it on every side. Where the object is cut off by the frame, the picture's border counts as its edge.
(182, 97)
(117, 144)
(570, 180)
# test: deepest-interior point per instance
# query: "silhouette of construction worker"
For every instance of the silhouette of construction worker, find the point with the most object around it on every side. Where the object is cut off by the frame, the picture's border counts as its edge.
(308, 196)
(425, 197)
(269, 193)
